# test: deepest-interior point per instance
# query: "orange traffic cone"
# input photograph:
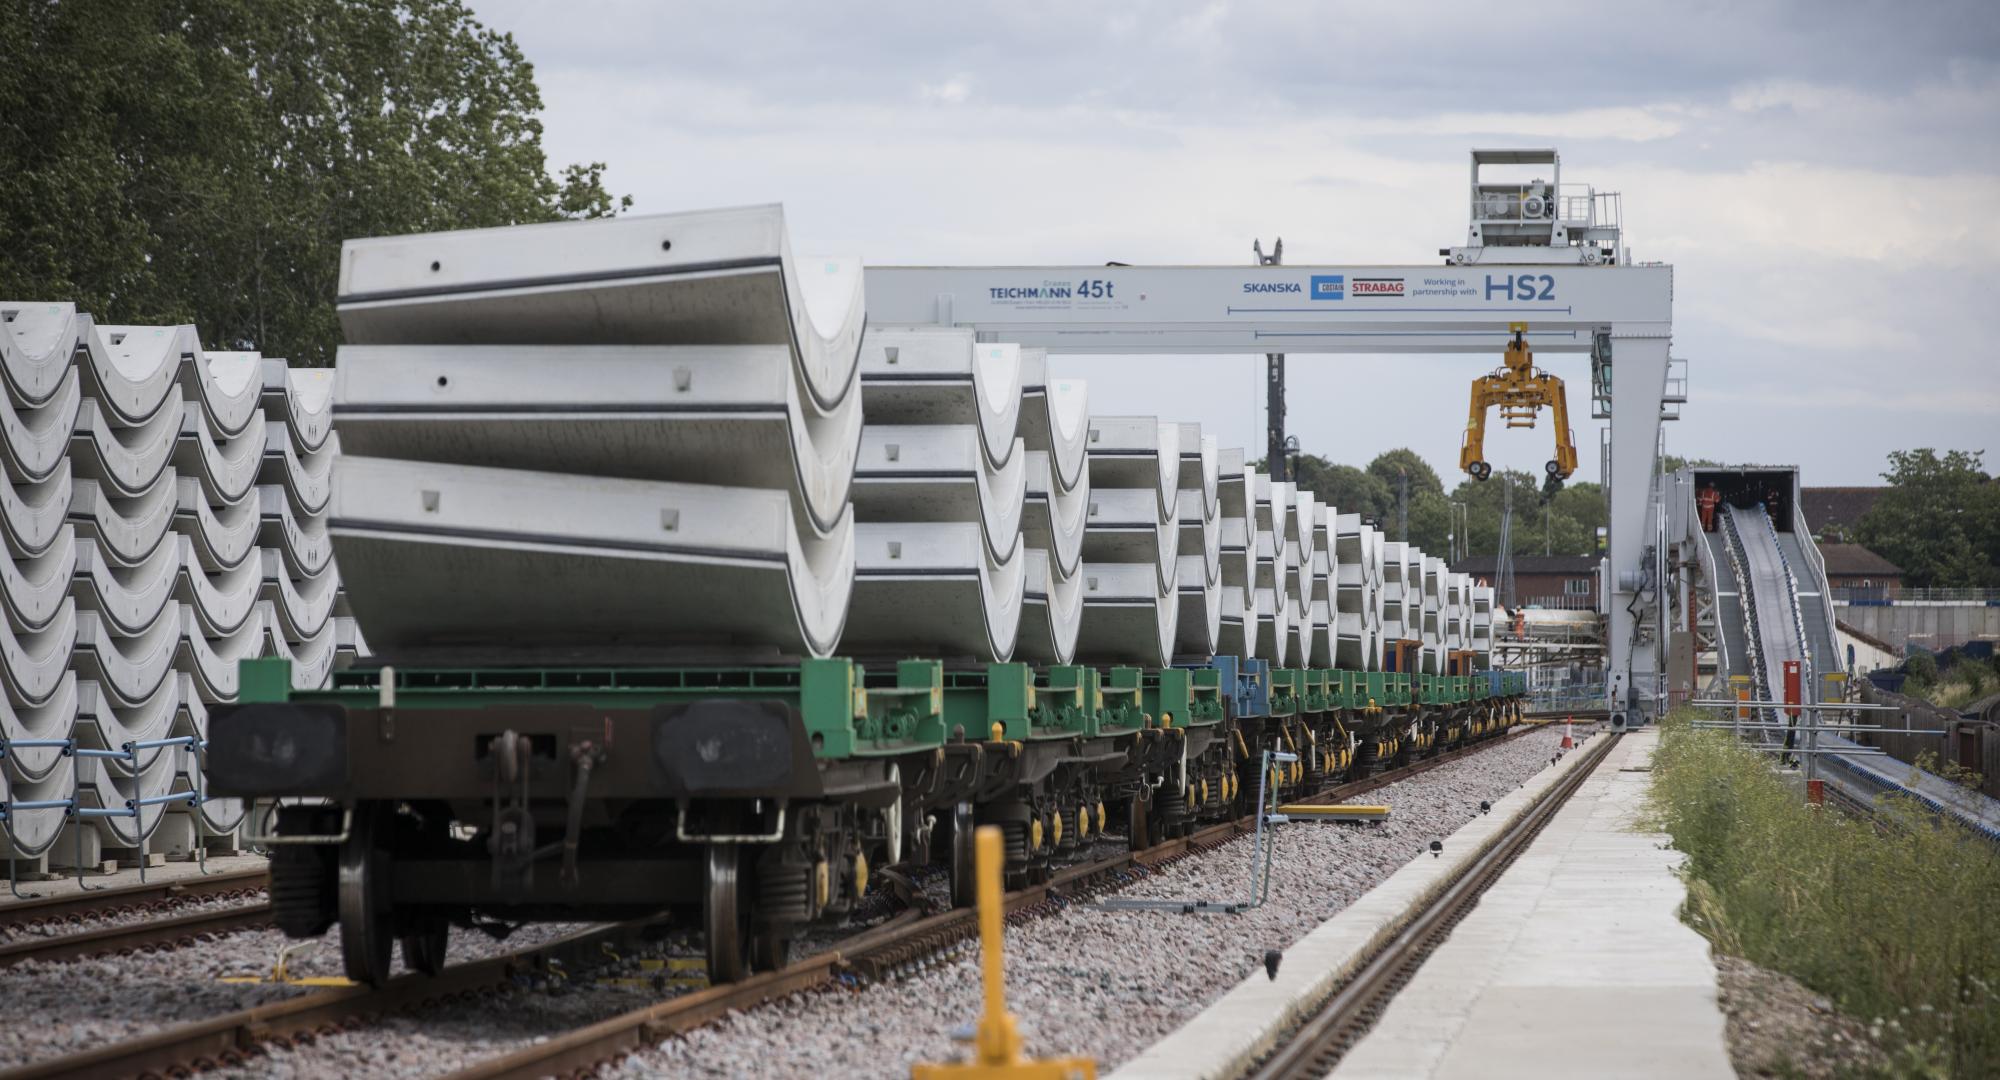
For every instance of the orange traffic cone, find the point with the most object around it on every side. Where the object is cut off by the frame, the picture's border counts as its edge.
(1568, 742)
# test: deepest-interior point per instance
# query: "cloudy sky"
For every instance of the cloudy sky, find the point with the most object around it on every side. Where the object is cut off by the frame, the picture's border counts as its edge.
(1824, 176)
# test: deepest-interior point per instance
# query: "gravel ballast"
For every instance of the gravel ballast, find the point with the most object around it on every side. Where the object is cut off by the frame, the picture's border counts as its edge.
(1108, 984)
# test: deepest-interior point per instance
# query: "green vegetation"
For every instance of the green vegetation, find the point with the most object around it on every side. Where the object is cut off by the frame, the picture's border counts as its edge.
(1564, 525)
(1890, 922)
(1953, 684)
(171, 161)
(1939, 520)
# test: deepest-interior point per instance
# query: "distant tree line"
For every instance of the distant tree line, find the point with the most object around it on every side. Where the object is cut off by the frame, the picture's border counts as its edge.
(174, 161)
(1566, 524)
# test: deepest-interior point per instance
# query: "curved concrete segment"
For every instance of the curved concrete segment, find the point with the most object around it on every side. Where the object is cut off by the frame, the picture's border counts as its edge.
(103, 723)
(1395, 601)
(737, 414)
(1318, 648)
(1123, 525)
(305, 476)
(35, 662)
(35, 438)
(302, 398)
(1128, 617)
(427, 554)
(1274, 628)
(53, 718)
(222, 598)
(1052, 518)
(227, 464)
(300, 538)
(128, 668)
(935, 583)
(33, 587)
(1136, 452)
(32, 832)
(228, 386)
(1236, 633)
(37, 342)
(302, 606)
(129, 599)
(211, 659)
(313, 656)
(711, 277)
(223, 534)
(128, 528)
(32, 513)
(1055, 416)
(133, 372)
(937, 473)
(1051, 611)
(940, 375)
(1351, 589)
(1198, 626)
(128, 458)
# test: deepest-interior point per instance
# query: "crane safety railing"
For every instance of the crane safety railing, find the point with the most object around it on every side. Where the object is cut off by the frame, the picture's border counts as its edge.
(76, 812)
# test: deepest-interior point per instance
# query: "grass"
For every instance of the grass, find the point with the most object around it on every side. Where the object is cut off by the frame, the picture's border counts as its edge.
(1894, 922)
(1959, 685)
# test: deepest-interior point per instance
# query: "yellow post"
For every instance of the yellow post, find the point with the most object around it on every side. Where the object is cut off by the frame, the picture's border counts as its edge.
(997, 1047)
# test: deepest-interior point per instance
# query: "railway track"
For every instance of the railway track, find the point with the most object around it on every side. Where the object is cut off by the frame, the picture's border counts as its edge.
(876, 953)
(123, 900)
(1325, 1037)
(152, 935)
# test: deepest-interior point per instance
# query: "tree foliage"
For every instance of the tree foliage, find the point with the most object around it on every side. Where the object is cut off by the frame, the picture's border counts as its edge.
(171, 161)
(1939, 520)
(1564, 525)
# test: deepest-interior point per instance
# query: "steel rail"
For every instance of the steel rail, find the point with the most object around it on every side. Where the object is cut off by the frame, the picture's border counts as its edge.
(235, 1038)
(1319, 1043)
(150, 936)
(884, 950)
(77, 907)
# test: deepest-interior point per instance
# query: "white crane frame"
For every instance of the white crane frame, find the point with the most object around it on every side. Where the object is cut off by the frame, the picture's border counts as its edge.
(1252, 310)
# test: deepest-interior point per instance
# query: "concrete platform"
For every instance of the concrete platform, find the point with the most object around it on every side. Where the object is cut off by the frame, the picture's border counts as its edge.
(1574, 965)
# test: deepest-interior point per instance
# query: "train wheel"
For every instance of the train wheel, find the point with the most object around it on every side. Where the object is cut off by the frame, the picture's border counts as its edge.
(363, 897)
(424, 946)
(770, 950)
(725, 918)
(964, 860)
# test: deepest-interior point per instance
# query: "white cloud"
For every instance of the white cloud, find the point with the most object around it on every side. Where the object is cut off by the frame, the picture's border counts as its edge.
(952, 91)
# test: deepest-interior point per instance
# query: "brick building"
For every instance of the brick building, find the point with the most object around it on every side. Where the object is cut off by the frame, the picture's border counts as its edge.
(1555, 581)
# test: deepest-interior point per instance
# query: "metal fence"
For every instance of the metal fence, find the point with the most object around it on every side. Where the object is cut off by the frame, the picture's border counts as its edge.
(1882, 595)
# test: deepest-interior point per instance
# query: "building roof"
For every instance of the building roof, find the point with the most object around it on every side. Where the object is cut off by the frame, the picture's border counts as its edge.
(1570, 565)
(1836, 509)
(1853, 560)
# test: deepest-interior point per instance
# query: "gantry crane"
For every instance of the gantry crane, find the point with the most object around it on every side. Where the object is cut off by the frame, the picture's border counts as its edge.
(1521, 390)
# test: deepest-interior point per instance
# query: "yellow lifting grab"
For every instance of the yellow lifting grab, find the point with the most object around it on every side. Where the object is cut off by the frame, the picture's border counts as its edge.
(1521, 390)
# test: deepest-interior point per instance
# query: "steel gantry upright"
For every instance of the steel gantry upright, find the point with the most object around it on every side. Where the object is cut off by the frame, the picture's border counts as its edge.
(1603, 311)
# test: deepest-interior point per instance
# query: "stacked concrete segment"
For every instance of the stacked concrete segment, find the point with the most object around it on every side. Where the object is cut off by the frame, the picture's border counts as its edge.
(1237, 549)
(650, 451)
(1131, 542)
(1298, 572)
(1433, 635)
(1054, 425)
(939, 491)
(1199, 558)
(1325, 572)
(1269, 595)
(1358, 591)
(1482, 623)
(138, 467)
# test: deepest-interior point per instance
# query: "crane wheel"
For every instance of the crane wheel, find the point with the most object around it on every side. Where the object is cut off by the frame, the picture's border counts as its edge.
(1554, 469)
(1479, 470)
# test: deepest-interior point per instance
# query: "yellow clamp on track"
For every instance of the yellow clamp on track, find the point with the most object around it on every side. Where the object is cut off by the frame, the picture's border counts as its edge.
(997, 1050)
(1316, 812)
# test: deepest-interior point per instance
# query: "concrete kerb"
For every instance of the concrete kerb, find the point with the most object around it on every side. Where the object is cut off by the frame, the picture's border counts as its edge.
(1227, 1038)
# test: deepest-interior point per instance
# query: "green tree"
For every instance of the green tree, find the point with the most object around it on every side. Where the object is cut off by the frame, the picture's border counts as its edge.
(1391, 466)
(172, 161)
(1939, 520)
